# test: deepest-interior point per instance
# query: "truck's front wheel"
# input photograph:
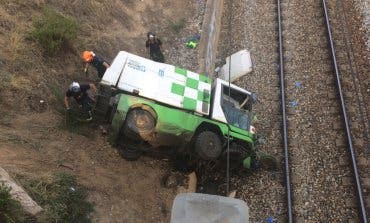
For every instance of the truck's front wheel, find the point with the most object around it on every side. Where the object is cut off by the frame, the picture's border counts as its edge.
(208, 145)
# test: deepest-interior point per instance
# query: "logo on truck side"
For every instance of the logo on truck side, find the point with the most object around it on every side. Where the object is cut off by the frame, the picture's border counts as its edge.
(161, 72)
(135, 65)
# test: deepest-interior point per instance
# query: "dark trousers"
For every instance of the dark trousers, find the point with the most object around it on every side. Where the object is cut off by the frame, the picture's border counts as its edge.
(157, 56)
(101, 70)
(84, 101)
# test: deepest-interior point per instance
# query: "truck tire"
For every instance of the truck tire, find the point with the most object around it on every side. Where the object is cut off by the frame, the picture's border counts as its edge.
(139, 124)
(237, 154)
(128, 148)
(208, 145)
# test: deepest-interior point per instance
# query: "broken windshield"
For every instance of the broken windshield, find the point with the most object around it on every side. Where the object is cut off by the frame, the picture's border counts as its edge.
(237, 107)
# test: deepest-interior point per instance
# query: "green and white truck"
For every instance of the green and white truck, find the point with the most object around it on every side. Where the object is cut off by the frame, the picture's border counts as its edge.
(160, 105)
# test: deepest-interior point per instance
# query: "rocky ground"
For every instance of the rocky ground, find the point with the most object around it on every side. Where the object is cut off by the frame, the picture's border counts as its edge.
(253, 27)
(351, 34)
(312, 141)
(362, 8)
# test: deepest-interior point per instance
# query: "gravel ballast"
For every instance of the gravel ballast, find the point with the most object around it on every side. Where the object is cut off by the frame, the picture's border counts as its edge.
(321, 172)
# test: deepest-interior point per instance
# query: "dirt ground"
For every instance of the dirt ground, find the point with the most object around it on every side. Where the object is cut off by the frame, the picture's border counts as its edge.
(35, 146)
(33, 139)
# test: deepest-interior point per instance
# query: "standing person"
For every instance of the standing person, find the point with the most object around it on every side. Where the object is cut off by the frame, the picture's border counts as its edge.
(154, 45)
(99, 63)
(79, 93)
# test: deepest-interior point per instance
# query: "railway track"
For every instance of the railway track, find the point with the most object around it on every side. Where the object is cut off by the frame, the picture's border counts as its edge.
(313, 115)
(354, 71)
(321, 173)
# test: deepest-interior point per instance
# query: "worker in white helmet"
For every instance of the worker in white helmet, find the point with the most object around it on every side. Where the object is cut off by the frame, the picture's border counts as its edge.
(154, 46)
(79, 93)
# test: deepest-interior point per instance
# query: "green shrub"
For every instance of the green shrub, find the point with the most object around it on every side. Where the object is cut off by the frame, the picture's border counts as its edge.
(10, 210)
(54, 31)
(62, 198)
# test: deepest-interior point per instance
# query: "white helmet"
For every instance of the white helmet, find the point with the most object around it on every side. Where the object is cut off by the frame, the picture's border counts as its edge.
(74, 87)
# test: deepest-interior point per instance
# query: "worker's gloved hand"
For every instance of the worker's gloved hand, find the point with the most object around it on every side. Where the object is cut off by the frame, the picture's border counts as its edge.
(68, 109)
(85, 70)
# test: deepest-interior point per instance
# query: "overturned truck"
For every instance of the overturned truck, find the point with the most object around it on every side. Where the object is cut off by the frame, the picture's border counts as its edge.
(156, 105)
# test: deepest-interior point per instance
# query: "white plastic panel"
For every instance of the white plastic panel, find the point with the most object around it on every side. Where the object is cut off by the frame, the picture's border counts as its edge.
(112, 74)
(206, 208)
(241, 64)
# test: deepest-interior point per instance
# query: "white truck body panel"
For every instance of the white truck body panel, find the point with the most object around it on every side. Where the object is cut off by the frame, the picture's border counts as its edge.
(161, 82)
(217, 112)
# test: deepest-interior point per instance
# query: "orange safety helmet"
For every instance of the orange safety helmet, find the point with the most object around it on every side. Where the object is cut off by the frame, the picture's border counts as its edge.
(87, 56)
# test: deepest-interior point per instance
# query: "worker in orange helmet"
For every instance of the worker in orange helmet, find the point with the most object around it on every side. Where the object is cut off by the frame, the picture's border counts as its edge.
(100, 64)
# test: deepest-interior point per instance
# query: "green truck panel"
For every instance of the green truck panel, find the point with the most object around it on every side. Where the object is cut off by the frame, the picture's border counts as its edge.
(172, 121)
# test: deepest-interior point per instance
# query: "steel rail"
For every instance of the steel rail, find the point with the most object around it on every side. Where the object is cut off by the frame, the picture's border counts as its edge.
(349, 137)
(283, 104)
(354, 72)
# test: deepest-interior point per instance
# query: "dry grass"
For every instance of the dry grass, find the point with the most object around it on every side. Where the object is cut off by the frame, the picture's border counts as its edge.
(16, 45)
(20, 83)
(106, 26)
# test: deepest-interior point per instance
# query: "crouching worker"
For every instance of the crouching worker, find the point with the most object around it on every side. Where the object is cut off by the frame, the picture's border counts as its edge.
(80, 94)
(99, 63)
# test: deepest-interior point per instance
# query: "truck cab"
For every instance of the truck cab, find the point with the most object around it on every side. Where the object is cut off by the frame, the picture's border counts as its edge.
(232, 105)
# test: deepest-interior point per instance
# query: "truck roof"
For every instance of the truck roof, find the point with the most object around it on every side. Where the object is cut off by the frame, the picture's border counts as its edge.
(161, 82)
